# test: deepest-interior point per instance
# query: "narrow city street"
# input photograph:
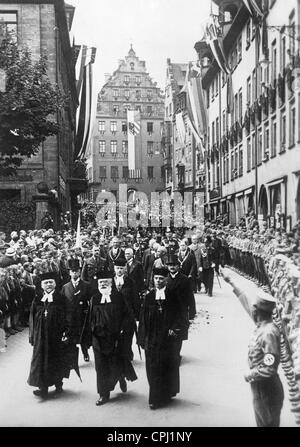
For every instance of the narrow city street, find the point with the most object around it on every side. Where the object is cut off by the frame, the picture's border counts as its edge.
(213, 391)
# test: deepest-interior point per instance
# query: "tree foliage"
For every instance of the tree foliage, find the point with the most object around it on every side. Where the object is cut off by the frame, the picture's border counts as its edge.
(27, 106)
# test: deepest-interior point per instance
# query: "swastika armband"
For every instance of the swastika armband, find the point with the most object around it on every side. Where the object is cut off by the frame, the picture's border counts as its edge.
(269, 359)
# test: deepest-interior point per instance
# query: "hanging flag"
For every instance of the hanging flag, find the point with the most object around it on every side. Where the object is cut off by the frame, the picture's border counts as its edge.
(197, 101)
(216, 45)
(254, 7)
(180, 126)
(134, 127)
(85, 96)
(78, 243)
(195, 133)
(230, 95)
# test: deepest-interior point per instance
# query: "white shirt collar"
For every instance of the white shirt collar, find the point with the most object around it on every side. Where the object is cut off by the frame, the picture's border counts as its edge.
(48, 296)
(75, 283)
(119, 280)
(160, 294)
(173, 275)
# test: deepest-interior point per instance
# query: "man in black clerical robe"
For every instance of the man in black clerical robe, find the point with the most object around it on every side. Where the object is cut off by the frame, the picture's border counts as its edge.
(108, 314)
(162, 323)
(47, 328)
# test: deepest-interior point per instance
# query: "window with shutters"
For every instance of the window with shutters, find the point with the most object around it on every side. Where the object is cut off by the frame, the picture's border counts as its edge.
(125, 148)
(102, 172)
(101, 127)
(9, 24)
(113, 147)
(114, 172)
(150, 146)
(124, 127)
(150, 128)
(125, 172)
(113, 126)
(102, 147)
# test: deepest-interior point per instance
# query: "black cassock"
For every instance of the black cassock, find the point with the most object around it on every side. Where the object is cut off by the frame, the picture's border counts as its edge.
(104, 331)
(47, 323)
(161, 349)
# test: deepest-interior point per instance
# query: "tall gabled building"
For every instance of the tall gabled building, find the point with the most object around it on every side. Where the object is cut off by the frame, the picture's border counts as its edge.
(129, 88)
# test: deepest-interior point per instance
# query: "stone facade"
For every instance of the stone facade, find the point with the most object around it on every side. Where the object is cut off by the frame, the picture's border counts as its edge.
(253, 153)
(129, 87)
(42, 26)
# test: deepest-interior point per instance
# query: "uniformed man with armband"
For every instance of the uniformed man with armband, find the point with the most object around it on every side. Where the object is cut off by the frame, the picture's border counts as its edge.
(264, 357)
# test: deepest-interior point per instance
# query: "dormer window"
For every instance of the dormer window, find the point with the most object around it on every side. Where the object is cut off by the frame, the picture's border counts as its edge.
(131, 66)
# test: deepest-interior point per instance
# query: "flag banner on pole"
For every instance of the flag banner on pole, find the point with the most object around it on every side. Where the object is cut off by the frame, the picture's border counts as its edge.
(134, 127)
(85, 96)
(180, 126)
(196, 99)
(78, 235)
(216, 45)
(254, 7)
(230, 95)
(195, 133)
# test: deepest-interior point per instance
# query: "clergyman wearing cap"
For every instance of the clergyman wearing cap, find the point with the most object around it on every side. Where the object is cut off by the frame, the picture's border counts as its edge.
(105, 323)
(46, 332)
(263, 359)
(162, 322)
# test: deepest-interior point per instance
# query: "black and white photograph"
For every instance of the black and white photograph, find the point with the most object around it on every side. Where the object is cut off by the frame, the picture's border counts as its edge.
(149, 216)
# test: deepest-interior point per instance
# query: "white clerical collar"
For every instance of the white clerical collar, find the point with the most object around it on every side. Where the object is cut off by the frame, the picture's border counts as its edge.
(75, 283)
(105, 298)
(160, 294)
(173, 275)
(119, 280)
(48, 297)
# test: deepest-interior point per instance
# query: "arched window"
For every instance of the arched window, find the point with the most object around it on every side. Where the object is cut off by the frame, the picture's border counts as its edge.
(132, 66)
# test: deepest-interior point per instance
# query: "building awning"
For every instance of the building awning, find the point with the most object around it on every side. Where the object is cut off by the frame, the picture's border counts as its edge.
(229, 197)
(239, 194)
(248, 191)
(277, 182)
(214, 202)
(223, 200)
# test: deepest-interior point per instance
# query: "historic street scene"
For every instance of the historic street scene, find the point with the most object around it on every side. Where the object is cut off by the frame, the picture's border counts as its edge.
(150, 214)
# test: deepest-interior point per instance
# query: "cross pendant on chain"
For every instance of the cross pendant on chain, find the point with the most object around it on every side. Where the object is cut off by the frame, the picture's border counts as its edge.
(46, 313)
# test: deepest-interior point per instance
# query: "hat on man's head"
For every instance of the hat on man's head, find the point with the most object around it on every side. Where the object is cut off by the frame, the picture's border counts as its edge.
(172, 260)
(48, 275)
(265, 302)
(10, 251)
(73, 264)
(104, 275)
(161, 271)
(120, 262)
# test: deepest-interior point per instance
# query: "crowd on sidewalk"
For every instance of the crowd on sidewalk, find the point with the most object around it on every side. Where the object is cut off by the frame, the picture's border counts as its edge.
(93, 289)
(200, 253)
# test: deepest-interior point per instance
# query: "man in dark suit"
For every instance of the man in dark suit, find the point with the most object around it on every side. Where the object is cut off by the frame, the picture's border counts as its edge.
(115, 253)
(134, 270)
(187, 260)
(92, 266)
(127, 287)
(207, 265)
(77, 294)
(149, 259)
